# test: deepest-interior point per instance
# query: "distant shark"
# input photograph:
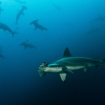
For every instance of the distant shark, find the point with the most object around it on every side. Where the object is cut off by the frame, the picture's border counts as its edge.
(20, 13)
(37, 25)
(20, 1)
(6, 28)
(56, 6)
(69, 64)
(93, 30)
(99, 18)
(27, 44)
(1, 9)
(1, 56)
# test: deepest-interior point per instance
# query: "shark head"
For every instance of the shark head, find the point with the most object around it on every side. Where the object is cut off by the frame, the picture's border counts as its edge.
(35, 21)
(42, 68)
(54, 67)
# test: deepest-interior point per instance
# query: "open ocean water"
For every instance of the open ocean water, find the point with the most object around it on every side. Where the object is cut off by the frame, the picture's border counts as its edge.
(36, 31)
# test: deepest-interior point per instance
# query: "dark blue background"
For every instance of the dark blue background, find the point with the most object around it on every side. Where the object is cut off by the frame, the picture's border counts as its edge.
(20, 83)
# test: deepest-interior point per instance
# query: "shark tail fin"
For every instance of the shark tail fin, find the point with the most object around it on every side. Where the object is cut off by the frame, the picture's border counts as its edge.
(42, 68)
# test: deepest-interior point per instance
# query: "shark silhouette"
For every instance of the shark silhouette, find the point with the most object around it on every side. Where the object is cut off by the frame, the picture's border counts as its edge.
(69, 64)
(93, 30)
(37, 25)
(1, 56)
(56, 6)
(20, 13)
(1, 9)
(6, 28)
(27, 44)
(99, 18)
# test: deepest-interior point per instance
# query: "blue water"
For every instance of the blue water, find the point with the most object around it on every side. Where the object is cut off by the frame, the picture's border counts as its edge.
(67, 22)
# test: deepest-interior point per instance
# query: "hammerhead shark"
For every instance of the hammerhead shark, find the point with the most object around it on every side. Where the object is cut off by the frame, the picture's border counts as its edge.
(1, 56)
(69, 64)
(27, 44)
(37, 25)
(99, 18)
(6, 28)
(93, 30)
(20, 13)
(1, 9)
(56, 6)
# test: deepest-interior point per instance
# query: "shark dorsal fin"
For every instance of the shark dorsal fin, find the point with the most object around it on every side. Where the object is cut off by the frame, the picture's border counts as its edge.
(67, 53)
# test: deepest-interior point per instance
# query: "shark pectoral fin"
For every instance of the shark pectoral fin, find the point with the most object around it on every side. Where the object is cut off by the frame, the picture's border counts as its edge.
(66, 70)
(70, 71)
(85, 69)
(63, 76)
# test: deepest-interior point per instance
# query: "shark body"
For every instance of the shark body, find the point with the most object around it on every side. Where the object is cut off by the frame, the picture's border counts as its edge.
(93, 30)
(6, 28)
(56, 6)
(68, 64)
(99, 18)
(1, 8)
(20, 13)
(1, 56)
(37, 25)
(27, 44)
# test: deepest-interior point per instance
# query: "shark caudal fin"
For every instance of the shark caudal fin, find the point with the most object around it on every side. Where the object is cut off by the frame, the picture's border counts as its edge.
(42, 68)
(67, 53)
